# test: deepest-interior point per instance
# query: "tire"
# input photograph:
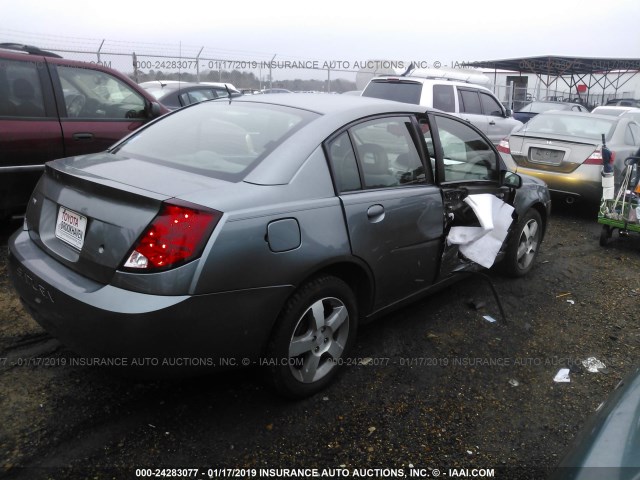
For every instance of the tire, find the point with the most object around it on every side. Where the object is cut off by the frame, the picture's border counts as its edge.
(306, 350)
(524, 244)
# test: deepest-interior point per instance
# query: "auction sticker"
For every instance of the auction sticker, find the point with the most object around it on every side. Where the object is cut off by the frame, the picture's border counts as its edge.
(71, 227)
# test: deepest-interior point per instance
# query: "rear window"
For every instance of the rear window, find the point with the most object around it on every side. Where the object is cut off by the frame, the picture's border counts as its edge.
(219, 139)
(575, 126)
(400, 91)
(539, 107)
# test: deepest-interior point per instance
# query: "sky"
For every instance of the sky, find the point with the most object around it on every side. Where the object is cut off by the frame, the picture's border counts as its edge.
(445, 31)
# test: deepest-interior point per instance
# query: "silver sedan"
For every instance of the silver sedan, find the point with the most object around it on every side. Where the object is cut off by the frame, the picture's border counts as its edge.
(262, 231)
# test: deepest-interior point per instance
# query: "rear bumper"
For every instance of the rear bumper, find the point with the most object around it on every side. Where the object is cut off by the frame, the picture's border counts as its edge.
(104, 321)
(584, 182)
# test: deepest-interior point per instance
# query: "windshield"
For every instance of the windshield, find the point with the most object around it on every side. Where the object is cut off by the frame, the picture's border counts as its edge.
(220, 139)
(584, 126)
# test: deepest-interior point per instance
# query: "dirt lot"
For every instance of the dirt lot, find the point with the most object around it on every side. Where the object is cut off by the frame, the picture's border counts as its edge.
(435, 391)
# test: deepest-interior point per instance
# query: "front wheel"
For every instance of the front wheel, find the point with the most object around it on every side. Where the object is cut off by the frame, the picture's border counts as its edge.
(524, 243)
(312, 337)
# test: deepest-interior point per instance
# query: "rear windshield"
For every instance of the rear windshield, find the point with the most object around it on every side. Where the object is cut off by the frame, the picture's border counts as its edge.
(575, 126)
(539, 107)
(220, 139)
(400, 91)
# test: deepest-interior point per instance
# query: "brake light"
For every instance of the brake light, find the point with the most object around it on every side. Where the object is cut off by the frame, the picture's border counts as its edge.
(176, 235)
(596, 157)
(503, 146)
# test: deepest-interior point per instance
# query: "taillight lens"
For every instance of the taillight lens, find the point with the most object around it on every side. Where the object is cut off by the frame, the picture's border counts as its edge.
(596, 157)
(177, 235)
(503, 146)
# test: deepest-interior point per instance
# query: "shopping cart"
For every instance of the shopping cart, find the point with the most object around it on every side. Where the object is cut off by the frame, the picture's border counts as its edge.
(621, 212)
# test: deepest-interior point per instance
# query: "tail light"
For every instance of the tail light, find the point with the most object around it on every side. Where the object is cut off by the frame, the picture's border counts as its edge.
(503, 146)
(176, 235)
(596, 157)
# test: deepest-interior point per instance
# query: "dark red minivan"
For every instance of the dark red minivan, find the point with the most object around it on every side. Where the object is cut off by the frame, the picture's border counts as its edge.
(51, 107)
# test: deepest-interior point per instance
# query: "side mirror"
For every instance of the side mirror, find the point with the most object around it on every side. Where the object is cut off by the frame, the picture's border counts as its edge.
(510, 179)
(508, 112)
(155, 110)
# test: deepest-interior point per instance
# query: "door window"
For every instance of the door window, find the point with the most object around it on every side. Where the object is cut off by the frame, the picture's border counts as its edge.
(92, 94)
(387, 154)
(490, 105)
(20, 90)
(344, 164)
(469, 101)
(466, 154)
(443, 98)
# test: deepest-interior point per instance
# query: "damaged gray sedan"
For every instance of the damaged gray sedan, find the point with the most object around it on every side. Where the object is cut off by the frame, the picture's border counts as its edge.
(265, 231)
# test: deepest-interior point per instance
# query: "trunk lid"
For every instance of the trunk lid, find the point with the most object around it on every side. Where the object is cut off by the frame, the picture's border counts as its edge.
(550, 153)
(104, 212)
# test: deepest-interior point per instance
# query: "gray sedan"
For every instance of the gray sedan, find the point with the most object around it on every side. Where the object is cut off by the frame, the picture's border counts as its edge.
(263, 230)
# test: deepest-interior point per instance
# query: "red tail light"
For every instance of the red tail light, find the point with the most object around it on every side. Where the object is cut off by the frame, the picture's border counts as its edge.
(596, 157)
(177, 235)
(503, 146)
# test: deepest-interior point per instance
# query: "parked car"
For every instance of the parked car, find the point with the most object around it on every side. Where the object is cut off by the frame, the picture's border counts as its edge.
(471, 102)
(51, 107)
(624, 102)
(613, 110)
(530, 110)
(176, 94)
(275, 90)
(632, 114)
(565, 150)
(607, 446)
(264, 228)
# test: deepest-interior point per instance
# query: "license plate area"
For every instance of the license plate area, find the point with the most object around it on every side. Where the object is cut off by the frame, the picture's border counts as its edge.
(71, 227)
(546, 155)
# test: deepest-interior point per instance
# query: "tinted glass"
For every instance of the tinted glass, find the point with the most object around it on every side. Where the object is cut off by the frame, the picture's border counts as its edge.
(400, 91)
(586, 126)
(92, 94)
(539, 107)
(388, 157)
(220, 139)
(20, 90)
(443, 98)
(467, 156)
(469, 101)
(344, 164)
(490, 106)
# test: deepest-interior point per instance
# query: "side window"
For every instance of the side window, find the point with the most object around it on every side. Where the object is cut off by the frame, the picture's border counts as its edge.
(490, 105)
(467, 156)
(443, 98)
(92, 94)
(20, 90)
(195, 96)
(343, 163)
(469, 101)
(387, 154)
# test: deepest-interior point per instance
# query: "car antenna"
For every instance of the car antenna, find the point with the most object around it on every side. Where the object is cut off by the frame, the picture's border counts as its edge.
(408, 70)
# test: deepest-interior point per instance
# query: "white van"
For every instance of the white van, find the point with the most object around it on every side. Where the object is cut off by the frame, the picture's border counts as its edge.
(474, 103)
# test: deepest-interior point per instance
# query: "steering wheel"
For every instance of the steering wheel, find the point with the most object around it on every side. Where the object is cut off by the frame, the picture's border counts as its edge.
(75, 105)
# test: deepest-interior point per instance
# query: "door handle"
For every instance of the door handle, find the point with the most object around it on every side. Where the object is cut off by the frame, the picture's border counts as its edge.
(82, 136)
(375, 213)
(492, 122)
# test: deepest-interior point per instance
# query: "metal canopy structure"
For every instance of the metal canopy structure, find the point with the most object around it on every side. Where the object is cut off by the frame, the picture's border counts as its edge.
(573, 71)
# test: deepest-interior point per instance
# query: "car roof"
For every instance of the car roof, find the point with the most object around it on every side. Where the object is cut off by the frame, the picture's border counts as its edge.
(573, 113)
(342, 105)
(429, 80)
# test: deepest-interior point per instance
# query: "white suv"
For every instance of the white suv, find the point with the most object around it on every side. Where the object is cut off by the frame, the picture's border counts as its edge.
(474, 103)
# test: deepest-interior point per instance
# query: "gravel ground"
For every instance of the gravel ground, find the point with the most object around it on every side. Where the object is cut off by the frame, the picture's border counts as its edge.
(440, 387)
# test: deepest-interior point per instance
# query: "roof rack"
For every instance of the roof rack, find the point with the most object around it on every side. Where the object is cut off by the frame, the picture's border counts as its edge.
(30, 49)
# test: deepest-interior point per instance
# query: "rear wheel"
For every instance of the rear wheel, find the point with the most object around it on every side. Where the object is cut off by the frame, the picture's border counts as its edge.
(313, 335)
(524, 243)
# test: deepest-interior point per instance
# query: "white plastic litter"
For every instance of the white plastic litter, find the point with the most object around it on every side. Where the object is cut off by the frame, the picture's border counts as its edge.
(562, 376)
(489, 318)
(482, 244)
(593, 365)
